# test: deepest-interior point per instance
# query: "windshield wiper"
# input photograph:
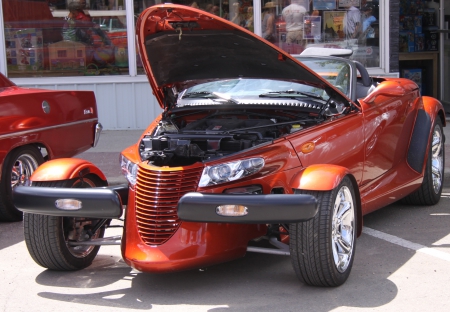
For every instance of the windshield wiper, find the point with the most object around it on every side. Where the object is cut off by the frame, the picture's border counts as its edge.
(290, 94)
(210, 95)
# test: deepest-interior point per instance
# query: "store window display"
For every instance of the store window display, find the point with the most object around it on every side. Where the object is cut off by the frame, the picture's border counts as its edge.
(65, 38)
(350, 24)
(352, 21)
(268, 21)
(39, 33)
(294, 15)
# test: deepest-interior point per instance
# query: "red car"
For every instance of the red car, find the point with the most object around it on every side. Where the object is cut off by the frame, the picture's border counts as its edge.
(255, 151)
(38, 125)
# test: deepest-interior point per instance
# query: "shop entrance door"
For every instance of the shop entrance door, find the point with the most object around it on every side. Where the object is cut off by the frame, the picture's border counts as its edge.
(444, 49)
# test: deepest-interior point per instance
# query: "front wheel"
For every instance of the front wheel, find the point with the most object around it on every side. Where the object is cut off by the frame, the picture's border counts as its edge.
(51, 241)
(323, 248)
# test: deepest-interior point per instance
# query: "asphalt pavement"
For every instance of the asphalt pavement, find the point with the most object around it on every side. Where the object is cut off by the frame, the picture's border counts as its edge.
(106, 154)
(401, 264)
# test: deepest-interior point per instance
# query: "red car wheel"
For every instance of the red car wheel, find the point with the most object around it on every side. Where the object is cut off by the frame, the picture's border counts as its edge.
(18, 166)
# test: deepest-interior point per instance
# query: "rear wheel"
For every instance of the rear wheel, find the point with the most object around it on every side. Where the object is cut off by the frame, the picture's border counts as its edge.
(51, 241)
(323, 248)
(430, 191)
(18, 166)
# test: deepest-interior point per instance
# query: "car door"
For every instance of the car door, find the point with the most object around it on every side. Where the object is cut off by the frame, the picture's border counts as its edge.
(388, 124)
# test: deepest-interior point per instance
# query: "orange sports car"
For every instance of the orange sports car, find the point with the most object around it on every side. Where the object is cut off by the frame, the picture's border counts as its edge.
(255, 151)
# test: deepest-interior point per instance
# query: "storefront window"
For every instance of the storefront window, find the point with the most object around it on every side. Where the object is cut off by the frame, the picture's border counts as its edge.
(51, 38)
(295, 25)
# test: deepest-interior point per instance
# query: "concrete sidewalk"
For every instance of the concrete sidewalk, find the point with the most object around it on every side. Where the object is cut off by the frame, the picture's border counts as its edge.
(106, 154)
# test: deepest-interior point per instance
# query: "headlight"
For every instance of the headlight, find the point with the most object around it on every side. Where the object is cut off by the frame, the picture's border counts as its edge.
(129, 169)
(230, 171)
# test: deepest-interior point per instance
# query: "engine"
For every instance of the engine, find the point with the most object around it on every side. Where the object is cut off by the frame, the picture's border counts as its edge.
(186, 140)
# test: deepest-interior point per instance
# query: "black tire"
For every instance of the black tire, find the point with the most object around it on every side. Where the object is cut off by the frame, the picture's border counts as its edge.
(315, 246)
(430, 190)
(47, 237)
(18, 166)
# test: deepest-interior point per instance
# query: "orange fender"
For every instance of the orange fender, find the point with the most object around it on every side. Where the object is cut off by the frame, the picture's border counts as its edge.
(323, 177)
(326, 177)
(64, 169)
(434, 108)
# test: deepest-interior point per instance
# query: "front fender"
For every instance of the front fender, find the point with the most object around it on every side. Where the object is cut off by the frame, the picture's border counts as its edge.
(323, 177)
(326, 177)
(65, 169)
(434, 109)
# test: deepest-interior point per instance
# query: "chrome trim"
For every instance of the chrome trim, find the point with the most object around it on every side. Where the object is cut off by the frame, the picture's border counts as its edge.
(34, 130)
(113, 240)
(97, 132)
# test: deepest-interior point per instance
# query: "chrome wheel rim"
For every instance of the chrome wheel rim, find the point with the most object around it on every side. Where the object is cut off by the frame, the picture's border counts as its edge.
(437, 159)
(22, 169)
(342, 238)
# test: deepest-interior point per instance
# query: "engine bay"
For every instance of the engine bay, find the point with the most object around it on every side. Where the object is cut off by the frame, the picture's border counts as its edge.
(186, 136)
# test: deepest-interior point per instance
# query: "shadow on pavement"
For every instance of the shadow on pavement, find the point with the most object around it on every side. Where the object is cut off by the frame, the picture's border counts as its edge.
(244, 284)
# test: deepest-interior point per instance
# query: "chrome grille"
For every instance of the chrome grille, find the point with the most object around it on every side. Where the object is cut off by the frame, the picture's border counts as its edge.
(157, 195)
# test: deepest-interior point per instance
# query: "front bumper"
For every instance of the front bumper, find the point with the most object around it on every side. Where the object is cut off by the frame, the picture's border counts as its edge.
(101, 202)
(106, 203)
(273, 208)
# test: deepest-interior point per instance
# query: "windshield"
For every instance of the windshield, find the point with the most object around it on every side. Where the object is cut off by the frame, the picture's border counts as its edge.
(238, 90)
(336, 72)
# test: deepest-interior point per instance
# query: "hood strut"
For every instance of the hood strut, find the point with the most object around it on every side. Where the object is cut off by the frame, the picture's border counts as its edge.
(170, 98)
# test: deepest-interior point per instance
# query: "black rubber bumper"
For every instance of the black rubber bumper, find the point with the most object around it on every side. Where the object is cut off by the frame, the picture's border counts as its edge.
(101, 202)
(274, 208)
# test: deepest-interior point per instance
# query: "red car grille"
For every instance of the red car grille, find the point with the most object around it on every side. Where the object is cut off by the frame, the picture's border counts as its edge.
(157, 195)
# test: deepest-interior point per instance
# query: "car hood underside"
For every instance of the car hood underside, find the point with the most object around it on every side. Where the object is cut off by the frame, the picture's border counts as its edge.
(181, 47)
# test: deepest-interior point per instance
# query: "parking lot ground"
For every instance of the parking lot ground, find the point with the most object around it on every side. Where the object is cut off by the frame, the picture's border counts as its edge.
(402, 263)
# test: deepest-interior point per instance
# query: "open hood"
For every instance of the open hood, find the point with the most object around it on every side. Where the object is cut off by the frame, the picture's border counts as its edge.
(181, 47)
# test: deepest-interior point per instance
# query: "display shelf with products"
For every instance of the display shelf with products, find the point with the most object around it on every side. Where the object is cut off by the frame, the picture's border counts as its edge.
(419, 44)
(428, 63)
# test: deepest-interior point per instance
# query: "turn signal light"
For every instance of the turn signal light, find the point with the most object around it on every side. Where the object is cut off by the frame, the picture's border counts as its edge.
(308, 147)
(231, 210)
(68, 204)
